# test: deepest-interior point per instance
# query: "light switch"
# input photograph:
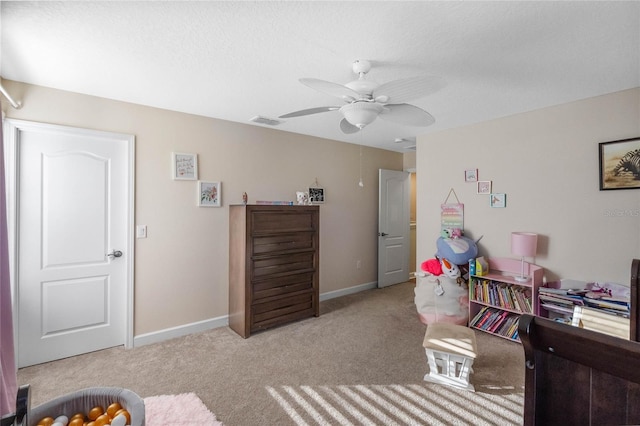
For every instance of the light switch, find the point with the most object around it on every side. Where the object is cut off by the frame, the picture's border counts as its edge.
(141, 231)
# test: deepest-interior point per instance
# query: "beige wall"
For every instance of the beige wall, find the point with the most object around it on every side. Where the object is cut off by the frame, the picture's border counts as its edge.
(409, 161)
(546, 161)
(181, 269)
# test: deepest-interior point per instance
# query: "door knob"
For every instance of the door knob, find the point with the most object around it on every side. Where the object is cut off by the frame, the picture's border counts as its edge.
(382, 234)
(115, 253)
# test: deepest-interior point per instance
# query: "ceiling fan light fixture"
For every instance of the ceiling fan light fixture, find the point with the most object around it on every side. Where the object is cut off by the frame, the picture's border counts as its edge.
(360, 114)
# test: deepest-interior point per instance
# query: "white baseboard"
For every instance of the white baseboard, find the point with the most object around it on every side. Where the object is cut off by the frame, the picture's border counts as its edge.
(196, 327)
(179, 331)
(346, 291)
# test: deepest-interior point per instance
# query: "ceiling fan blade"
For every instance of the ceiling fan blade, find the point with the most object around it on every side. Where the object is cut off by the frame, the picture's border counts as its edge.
(408, 89)
(309, 111)
(407, 114)
(347, 127)
(333, 89)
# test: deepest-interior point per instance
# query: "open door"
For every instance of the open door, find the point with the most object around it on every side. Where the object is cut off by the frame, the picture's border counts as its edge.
(393, 227)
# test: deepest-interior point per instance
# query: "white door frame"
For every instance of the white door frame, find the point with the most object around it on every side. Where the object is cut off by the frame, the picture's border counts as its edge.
(12, 128)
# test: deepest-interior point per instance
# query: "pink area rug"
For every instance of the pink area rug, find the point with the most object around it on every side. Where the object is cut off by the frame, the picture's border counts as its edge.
(177, 410)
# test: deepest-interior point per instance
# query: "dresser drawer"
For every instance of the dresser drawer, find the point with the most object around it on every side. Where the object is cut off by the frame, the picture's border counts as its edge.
(283, 264)
(282, 242)
(283, 221)
(281, 286)
(282, 310)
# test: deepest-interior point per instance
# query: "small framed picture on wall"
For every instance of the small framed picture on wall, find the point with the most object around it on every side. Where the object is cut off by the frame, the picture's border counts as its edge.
(498, 200)
(484, 187)
(316, 195)
(471, 175)
(184, 166)
(209, 194)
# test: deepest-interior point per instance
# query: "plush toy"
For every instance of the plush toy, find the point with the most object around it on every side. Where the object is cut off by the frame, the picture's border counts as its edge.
(451, 233)
(456, 250)
(432, 266)
(441, 299)
(449, 269)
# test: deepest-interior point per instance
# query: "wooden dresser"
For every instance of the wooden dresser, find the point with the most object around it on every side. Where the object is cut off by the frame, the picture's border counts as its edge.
(273, 265)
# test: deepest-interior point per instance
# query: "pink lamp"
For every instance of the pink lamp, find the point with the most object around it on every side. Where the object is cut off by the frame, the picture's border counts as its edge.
(523, 244)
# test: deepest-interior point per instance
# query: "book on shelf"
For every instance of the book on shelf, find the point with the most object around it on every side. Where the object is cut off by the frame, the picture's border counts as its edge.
(557, 308)
(523, 297)
(561, 300)
(504, 295)
(563, 291)
(507, 327)
(483, 316)
(488, 319)
(479, 315)
(498, 321)
(605, 304)
(609, 298)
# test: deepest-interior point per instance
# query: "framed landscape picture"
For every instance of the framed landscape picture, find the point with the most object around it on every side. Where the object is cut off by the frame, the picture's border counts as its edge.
(619, 164)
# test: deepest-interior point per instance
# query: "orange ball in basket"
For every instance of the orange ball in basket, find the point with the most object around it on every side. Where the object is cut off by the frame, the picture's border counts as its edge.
(77, 416)
(76, 421)
(113, 409)
(102, 420)
(95, 412)
(47, 421)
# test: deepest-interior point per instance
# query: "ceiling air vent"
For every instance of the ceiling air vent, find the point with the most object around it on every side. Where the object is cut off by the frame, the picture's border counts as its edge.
(266, 120)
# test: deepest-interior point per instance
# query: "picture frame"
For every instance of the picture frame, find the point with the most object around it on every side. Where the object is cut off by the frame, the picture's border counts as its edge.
(498, 200)
(619, 164)
(471, 175)
(484, 187)
(316, 195)
(209, 194)
(184, 166)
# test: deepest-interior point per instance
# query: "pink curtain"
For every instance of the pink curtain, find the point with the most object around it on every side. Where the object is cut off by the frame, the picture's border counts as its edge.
(9, 382)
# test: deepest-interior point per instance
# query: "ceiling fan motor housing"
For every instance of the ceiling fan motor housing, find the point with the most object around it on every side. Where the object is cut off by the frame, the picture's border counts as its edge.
(364, 88)
(361, 113)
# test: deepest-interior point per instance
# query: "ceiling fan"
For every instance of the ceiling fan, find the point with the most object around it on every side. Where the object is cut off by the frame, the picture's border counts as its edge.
(366, 100)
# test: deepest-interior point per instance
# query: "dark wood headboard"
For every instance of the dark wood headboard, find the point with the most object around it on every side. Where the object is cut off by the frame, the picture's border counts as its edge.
(635, 301)
(575, 376)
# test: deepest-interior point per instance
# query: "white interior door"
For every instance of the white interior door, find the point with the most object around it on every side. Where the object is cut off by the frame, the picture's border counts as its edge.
(394, 242)
(74, 248)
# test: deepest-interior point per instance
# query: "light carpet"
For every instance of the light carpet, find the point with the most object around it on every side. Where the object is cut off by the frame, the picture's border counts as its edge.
(173, 410)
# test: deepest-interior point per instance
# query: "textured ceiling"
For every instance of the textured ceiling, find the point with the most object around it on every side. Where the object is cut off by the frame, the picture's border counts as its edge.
(238, 60)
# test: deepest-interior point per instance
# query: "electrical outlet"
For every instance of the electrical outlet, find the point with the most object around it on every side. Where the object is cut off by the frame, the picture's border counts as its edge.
(358, 264)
